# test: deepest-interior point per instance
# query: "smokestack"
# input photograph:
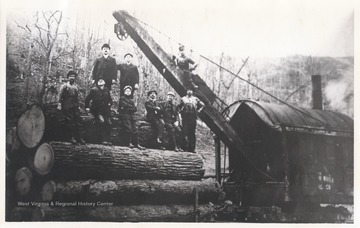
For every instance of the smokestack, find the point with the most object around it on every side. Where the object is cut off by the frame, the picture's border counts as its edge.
(316, 92)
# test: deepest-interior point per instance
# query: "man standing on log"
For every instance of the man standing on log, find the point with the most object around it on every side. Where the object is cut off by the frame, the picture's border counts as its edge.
(171, 118)
(185, 63)
(129, 75)
(69, 104)
(100, 108)
(126, 111)
(154, 116)
(105, 68)
(189, 107)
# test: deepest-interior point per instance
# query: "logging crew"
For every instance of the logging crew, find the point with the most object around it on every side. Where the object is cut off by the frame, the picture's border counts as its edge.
(126, 111)
(105, 68)
(186, 64)
(129, 74)
(189, 107)
(171, 118)
(154, 116)
(100, 108)
(69, 104)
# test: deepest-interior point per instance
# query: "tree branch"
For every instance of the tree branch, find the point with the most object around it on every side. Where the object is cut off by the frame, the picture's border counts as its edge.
(233, 79)
(62, 54)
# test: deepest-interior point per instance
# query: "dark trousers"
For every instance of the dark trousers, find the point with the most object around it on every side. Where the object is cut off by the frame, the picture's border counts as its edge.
(189, 127)
(157, 125)
(129, 126)
(103, 122)
(72, 121)
(170, 127)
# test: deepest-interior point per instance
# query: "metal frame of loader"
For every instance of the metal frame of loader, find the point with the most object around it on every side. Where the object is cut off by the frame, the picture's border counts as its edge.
(213, 115)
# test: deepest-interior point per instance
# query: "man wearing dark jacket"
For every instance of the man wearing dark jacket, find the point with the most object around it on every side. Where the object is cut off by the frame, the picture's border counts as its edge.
(171, 118)
(187, 65)
(126, 111)
(69, 104)
(129, 75)
(100, 108)
(105, 68)
(154, 115)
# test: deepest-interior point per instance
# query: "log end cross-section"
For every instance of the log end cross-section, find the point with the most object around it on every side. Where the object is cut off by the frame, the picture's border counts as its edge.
(31, 126)
(44, 159)
(23, 179)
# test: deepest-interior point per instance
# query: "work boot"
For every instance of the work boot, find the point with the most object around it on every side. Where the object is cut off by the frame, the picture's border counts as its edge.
(139, 147)
(106, 143)
(81, 141)
(72, 140)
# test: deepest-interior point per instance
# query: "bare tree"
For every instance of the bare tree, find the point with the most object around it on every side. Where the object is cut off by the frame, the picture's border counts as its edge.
(47, 25)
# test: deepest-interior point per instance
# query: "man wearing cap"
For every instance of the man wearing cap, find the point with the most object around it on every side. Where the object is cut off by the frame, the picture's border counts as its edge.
(100, 108)
(154, 115)
(129, 74)
(189, 107)
(105, 68)
(186, 64)
(171, 118)
(126, 111)
(69, 104)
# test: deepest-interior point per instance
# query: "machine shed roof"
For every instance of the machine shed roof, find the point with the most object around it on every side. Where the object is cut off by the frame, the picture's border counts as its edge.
(284, 117)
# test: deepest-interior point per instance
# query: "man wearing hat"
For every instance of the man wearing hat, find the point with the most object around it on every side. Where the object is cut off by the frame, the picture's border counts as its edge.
(171, 118)
(100, 108)
(129, 74)
(105, 68)
(69, 104)
(126, 111)
(154, 115)
(187, 65)
(189, 107)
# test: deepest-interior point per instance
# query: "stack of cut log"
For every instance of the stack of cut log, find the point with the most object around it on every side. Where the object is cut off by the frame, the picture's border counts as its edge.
(58, 181)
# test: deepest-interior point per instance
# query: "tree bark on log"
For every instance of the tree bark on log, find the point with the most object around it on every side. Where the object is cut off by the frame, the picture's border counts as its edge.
(133, 192)
(51, 213)
(143, 213)
(20, 214)
(12, 141)
(56, 130)
(31, 126)
(91, 161)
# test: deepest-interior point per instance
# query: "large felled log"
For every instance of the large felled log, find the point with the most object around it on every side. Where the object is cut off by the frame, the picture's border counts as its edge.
(23, 180)
(143, 213)
(58, 213)
(133, 192)
(91, 161)
(31, 126)
(19, 214)
(56, 129)
(27, 186)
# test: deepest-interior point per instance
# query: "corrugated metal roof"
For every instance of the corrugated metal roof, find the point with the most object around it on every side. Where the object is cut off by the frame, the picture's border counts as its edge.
(277, 116)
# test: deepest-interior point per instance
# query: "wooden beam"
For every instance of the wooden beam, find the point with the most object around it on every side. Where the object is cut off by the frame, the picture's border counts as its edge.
(175, 76)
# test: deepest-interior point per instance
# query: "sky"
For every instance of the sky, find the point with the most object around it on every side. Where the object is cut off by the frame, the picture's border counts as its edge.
(236, 27)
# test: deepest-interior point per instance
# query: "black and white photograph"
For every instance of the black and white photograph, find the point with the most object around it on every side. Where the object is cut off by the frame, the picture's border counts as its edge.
(224, 112)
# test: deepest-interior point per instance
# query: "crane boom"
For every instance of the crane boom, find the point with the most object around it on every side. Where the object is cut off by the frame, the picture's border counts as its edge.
(175, 77)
